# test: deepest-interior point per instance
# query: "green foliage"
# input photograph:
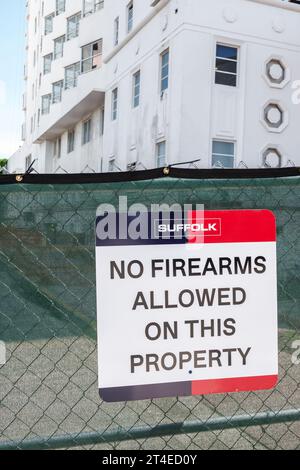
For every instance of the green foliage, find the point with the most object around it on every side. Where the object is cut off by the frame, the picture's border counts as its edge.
(3, 163)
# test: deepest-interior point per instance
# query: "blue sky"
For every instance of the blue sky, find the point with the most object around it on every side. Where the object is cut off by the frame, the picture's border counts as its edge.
(12, 43)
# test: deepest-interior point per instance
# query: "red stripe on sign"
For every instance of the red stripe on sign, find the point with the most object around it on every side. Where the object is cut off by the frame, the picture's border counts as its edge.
(236, 226)
(242, 384)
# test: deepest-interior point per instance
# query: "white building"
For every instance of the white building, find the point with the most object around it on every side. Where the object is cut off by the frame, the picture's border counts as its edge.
(115, 85)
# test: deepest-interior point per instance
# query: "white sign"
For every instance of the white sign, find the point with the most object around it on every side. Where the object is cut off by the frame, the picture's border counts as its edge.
(189, 318)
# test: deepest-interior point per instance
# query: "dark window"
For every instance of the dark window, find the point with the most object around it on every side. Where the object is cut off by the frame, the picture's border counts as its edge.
(226, 65)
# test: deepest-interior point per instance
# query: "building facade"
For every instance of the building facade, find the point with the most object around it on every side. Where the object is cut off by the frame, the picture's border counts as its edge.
(128, 85)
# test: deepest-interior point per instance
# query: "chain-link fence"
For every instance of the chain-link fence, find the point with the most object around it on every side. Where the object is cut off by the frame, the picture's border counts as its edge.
(48, 386)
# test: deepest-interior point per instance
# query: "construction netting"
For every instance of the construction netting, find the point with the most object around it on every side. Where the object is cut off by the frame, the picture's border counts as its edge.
(48, 386)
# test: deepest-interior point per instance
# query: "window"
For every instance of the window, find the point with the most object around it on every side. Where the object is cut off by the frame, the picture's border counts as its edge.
(91, 56)
(129, 17)
(226, 65)
(58, 147)
(223, 154)
(116, 31)
(46, 101)
(86, 131)
(59, 47)
(102, 118)
(49, 24)
(23, 131)
(161, 157)
(136, 89)
(114, 104)
(24, 101)
(98, 4)
(90, 6)
(47, 63)
(71, 141)
(164, 70)
(57, 91)
(73, 26)
(54, 148)
(60, 6)
(71, 75)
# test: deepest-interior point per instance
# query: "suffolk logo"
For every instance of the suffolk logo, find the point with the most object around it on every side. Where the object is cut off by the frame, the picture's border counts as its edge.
(207, 227)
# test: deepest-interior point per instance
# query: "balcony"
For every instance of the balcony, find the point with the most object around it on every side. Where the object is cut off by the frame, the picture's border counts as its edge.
(68, 115)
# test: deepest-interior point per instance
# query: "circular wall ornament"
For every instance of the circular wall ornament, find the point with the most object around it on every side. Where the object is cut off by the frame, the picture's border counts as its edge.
(276, 72)
(274, 117)
(272, 158)
(278, 24)
(230, 15)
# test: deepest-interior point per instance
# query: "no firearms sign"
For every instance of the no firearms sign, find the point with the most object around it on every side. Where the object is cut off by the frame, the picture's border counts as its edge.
(188, 315)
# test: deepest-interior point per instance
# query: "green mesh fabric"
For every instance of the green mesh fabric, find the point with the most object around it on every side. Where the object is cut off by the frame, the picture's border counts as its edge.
(48, 387)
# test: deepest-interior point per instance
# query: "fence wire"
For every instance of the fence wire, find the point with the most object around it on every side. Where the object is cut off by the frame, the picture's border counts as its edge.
(48, 386)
